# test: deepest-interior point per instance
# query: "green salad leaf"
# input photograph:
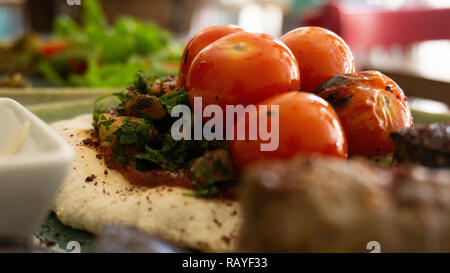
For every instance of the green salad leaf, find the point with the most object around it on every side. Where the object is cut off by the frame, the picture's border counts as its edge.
(108, 55)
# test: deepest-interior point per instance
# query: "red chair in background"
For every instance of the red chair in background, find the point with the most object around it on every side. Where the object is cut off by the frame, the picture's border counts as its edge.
(364, 27)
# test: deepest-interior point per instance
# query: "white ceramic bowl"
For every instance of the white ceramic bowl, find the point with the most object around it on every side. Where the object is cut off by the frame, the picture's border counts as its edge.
(30, 178)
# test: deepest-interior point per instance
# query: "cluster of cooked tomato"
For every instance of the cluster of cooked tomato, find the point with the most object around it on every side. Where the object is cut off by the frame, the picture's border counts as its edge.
(324, 106)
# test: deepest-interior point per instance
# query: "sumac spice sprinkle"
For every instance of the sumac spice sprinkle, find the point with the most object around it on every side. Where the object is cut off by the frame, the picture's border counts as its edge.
(90, 178)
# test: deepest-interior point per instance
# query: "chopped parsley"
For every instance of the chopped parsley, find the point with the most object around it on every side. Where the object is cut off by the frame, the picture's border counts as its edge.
(143, 138)
(105, 122)
(157, 158)
(107, 102)
(132, 134)
(211, 177)
(175, 98)
(140, 84)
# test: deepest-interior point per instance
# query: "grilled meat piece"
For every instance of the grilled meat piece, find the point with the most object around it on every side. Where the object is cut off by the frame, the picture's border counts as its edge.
(330, 205)
(428, 145)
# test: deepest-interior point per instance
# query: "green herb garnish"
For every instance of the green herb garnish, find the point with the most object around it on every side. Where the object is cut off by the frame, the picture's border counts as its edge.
(157, 158)
(133, 133)
(106, 102)
(210, 178)
(140, 84)
(144, 141)
(175, 98)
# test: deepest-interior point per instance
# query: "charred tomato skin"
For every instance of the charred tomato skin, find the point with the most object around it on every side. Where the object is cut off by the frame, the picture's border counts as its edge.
(307, 125)
(321, 55)
(200, 41)
(370, 106)
(242, 68)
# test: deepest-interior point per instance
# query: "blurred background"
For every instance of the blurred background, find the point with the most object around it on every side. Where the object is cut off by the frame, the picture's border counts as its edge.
(103, 43)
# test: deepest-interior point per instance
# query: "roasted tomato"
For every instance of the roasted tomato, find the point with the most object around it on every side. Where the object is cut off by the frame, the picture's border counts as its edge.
(307, 124)
(242, 68)
(200, 41)
(370, 106)
(320, 53)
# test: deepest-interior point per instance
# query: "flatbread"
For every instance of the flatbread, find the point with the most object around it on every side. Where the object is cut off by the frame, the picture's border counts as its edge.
(210, 225)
